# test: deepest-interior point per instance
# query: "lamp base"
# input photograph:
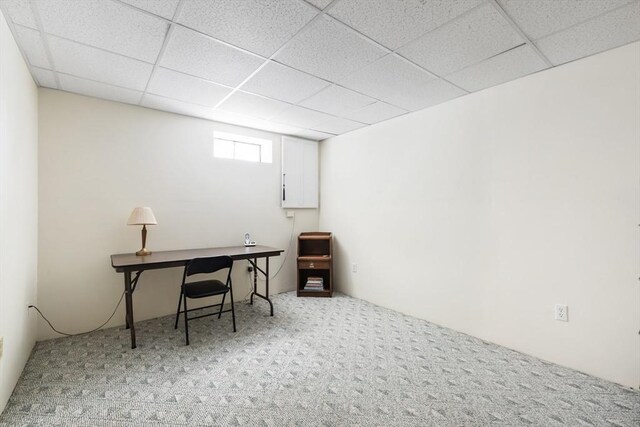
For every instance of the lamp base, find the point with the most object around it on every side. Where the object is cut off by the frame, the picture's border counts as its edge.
(143, 252)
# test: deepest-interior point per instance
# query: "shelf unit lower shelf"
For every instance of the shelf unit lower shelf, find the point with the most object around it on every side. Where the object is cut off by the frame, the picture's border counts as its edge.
(317, 294)
(306, 273)
(315, 264)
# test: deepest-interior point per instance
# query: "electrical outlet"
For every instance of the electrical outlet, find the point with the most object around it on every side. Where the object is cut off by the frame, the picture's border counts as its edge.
(291, 214)
(562, 312)
(354, 268)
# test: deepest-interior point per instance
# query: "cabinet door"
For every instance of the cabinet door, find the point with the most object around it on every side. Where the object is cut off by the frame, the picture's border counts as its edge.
(299, 173)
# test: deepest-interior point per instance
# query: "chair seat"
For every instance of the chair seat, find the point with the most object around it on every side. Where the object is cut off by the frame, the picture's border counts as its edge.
(205, 288)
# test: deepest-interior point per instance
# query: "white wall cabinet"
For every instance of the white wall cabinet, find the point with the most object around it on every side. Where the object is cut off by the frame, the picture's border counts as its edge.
(299, 173)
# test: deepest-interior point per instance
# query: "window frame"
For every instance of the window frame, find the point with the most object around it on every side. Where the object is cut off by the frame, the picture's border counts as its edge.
(265, 151)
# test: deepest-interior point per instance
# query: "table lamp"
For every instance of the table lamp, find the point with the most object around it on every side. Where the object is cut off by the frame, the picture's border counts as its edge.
(142, 216)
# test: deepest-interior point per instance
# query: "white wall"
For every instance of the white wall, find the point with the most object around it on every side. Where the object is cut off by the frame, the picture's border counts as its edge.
(18, 211)
(482, 213)
(100, 159)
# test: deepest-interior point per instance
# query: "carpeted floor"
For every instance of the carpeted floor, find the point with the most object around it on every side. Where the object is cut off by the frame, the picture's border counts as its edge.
(338, 361)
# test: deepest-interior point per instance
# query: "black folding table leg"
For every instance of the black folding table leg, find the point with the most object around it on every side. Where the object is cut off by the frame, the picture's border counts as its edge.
(233, 311)
(178, 312)
(255, 280)
(129, 305)
(267, 286)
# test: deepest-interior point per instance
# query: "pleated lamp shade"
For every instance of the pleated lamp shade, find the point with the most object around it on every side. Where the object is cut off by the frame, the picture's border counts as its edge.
(142, 216)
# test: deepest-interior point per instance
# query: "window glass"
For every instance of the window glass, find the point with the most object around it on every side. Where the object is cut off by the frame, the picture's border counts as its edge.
(223, 149)
(240, 147)
(248, 152)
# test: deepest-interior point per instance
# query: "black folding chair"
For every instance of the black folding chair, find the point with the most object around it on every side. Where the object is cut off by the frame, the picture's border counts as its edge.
(205, 288)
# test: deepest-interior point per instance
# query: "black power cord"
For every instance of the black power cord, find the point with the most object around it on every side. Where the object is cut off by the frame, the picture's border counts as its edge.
(81, 333)
(286, 253)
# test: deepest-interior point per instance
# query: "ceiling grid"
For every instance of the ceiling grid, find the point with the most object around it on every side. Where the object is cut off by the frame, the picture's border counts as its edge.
(314, 68)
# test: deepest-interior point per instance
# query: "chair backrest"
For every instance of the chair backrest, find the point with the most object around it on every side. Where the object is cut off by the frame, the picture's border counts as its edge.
(208, 265)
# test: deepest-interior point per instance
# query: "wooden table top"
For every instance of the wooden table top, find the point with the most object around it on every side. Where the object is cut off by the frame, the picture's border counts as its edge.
(166, 259)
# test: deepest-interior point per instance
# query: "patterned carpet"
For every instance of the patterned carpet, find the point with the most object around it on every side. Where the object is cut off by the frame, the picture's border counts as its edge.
(332, 362)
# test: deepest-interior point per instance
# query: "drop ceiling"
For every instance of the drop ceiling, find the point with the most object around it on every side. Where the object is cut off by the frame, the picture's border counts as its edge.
(312, 68)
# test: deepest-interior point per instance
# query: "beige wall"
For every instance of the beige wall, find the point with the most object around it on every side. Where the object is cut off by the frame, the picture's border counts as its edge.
(98, 160)
(18, 211)
(482, 213)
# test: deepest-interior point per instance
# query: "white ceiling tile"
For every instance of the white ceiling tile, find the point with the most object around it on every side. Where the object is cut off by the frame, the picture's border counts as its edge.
(172, 84)
(499, 69)
(238, 119)
(301, 117)
(175, 106)
(375, 113)
(281, 82)
(164, 8)
(228, 117)
(198, 55)
(31, 43)
(253, 105)
(329, 50)
(250, 122)
(45, 77)
(338, 125)
(437, 92)
(477, 35)
(397, 82)
(337, 100)
(105, 24)
(278, 128)
(95, 64)
(614, 29)
(260, 26)
(98, 90)
(542, 17)
(19, 11)
(394, 23)
(311, 134)
(320, 4)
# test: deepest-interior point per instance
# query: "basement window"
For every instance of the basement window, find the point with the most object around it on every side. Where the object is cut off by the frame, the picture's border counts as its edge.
(240, 147)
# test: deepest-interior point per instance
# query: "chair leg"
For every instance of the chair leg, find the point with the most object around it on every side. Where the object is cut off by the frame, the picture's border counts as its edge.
(222, 305)
(186, 320)
(178, 312)
(233, 312)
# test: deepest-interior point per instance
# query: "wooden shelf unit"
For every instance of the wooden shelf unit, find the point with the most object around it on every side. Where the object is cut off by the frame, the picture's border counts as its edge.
(315, 259)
